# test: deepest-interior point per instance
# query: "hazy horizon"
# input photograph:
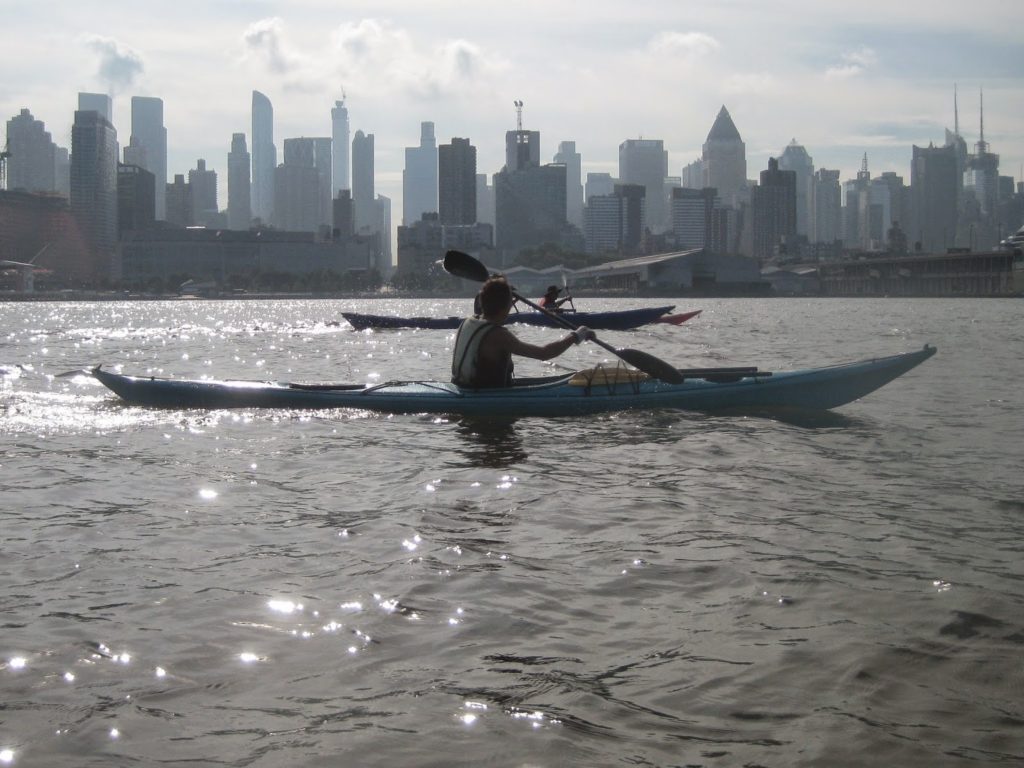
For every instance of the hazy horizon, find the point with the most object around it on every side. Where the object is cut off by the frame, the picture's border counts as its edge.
(840, 80)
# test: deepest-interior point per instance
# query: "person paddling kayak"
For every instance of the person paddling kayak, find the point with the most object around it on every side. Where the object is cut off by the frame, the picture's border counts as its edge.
(483, 351)
(551, 301)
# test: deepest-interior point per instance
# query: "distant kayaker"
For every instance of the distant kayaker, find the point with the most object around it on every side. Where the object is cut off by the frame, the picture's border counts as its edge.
(551, 301)
(483, 351)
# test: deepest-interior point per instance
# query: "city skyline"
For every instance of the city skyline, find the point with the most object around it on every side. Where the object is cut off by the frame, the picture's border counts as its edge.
(839, 87)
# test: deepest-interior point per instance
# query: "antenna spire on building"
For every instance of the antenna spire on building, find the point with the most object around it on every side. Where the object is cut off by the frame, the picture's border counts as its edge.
(956, 114)
(519, 114)
(982, 146)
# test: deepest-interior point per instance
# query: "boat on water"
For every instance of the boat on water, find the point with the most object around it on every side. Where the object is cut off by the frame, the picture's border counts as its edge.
(598, 390)
(621, 320)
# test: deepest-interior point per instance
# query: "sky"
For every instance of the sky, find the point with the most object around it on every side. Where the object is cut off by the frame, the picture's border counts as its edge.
(842, 79)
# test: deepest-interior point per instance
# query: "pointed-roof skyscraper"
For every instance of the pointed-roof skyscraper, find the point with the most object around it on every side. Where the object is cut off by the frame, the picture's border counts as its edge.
(725, 159)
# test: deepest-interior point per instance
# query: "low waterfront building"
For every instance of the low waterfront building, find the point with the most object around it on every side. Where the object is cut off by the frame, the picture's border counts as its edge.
(679, 273)
(951, 274)
(221, 255)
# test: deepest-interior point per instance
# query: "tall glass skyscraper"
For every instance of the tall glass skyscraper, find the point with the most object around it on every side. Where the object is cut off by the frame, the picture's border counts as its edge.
(149, 133)
(457, 182)
(362, 182)
(239, 184)
(419, 179)
(340, 148)
(94, 188)
(645, 161)
(264, 157)
(568, 155)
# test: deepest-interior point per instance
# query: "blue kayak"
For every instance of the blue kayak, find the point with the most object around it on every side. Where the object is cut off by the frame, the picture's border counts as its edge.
(597, 390)
(619, 320)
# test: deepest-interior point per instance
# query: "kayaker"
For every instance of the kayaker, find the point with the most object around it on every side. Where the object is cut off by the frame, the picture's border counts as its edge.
(483, 351)
(551, 301)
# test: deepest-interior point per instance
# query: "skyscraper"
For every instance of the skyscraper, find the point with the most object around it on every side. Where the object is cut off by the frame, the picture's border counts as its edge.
(94, 188)
(615, 222)
(692, 211)
(485, 202)
(933, 184)
(362, 182)
(239, 184)
(32, 162)
(982, 175)
(795, 158)
(136, 198)
(149, 134)
(522, 149)
(419, 178)
(315, 153)
(773, 206)
(725, 160)
(179, 202)
(828, 207)
(457, 182)
(645, 161)
(97, 102)
(264, 157)
(599, 184)
(529, 207)
(340, 143)
(856, 210)
(202, 184)
(296, 196)
(568, 156)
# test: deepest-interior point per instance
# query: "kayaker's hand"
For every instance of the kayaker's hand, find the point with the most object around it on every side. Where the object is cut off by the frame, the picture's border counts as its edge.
(583, 334)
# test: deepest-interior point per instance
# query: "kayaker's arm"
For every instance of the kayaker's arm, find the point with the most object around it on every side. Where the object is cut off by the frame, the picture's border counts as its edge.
(519, 347)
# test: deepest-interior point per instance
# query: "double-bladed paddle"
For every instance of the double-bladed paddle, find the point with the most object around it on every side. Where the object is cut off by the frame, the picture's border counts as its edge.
(468, 268)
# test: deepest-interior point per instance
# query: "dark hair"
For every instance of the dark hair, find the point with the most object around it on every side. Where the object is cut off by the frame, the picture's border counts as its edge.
(495, 296)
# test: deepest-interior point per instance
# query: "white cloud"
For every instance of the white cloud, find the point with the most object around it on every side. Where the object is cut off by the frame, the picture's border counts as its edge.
(854, 63)
(265, 42)
(689, 46)
(379, 57)
(119, 65)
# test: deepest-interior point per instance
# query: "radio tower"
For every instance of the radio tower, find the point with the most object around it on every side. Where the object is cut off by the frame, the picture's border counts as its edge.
(981, 147)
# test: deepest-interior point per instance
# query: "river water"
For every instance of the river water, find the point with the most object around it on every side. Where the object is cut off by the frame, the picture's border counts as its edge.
(279, 588)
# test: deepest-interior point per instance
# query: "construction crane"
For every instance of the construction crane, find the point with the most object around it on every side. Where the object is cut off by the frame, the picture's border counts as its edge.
(519, 114)
(3, 164)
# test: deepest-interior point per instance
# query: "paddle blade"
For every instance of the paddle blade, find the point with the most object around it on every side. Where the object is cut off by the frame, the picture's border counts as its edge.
(465, 266)
(651, 365)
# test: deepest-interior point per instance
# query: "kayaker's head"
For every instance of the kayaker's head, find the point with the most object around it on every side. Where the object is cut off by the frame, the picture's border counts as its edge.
(552, 292)
(496, 299)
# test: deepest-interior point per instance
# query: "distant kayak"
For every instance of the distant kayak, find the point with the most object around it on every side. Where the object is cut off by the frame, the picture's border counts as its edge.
(621, 320)
(598, 390)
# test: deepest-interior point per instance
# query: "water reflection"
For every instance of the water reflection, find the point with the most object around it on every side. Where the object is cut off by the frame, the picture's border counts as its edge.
(493, 444)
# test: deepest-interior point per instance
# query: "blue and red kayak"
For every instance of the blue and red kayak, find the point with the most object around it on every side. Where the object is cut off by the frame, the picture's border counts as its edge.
(598, 390)
(621, 320)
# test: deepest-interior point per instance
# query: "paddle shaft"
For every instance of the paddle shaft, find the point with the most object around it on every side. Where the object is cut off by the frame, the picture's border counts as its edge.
(565, 323)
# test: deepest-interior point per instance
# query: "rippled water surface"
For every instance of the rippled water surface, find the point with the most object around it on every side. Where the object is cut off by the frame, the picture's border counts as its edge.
(286, 588)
